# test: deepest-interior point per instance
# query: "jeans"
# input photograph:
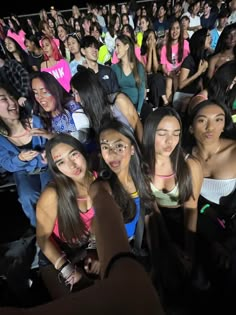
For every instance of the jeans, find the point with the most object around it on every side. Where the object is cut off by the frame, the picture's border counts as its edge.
(29, 188)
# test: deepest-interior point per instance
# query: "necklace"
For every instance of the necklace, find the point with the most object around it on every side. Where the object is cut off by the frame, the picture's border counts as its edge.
(210, 156)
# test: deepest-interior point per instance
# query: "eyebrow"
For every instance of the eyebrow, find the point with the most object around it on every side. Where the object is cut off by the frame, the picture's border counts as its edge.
(62, 157)
(162, 129)
(221, 114)
(104, 142)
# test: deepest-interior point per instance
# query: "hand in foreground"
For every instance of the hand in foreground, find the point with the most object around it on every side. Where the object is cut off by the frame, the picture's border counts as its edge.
(92, 266)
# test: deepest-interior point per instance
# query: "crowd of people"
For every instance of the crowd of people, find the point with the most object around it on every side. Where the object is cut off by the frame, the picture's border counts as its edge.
(132, 108)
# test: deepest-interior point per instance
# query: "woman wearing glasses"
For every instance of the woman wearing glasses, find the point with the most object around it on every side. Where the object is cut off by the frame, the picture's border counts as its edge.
(122, 166)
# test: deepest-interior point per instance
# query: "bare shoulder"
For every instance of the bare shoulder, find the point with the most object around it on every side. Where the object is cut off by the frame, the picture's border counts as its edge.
(230, 146)
(43, 65)
(48, 199)
(195, 165)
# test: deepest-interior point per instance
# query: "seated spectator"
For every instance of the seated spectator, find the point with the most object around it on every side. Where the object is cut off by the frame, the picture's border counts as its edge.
(87, 87)
(172, 55)
(34, 50)
(112, 32)
(222, 20)
(104, 57)
(161, 24)
(21, 151)
(221, 87)
(130, 72)
(208, 18)
(184, 22)
(58, 110)
(155, 78)
(232, 16)
(16, 52)
(89, 49)
(15, 75)
(54, 63)
(76, 58)
(192, 70)
(225, 49)
(129, 31)
(193, 14)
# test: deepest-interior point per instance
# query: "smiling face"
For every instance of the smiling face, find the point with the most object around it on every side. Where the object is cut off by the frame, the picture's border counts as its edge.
(9, 107)
(121, 49)
(90, 53)
(175, 31)
(45, 99)
(208, 124)
(69, 161)
(167, 136)
(116, 150)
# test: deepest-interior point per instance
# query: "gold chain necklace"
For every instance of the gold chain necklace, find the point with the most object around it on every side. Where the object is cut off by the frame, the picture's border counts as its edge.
(209, 157)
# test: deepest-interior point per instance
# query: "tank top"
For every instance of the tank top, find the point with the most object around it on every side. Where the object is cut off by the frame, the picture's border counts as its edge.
(166, 199)
(130, 227)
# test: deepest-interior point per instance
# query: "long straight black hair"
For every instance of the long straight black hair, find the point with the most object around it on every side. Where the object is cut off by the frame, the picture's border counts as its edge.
(177, 157)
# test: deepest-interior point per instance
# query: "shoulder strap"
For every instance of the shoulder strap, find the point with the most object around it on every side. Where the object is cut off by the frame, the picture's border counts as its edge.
(139, 232)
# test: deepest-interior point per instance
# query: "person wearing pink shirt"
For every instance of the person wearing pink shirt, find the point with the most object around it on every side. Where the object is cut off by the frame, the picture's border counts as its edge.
(54, 63)
(129, 31)
(172, 55)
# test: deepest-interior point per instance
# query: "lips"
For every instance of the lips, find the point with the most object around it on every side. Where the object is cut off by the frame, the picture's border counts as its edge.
(77, 172)
(208, 135)
(114, 164)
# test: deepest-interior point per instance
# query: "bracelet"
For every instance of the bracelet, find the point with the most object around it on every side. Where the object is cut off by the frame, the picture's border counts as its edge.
(65, 264)
(58, 260)
(204, 208)
(67, 271)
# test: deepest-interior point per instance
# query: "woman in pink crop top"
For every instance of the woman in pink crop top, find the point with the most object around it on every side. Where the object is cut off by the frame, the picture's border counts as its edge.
(65, 218)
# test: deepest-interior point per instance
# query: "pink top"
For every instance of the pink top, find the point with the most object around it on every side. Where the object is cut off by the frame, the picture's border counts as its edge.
(20, 37)
(61, 71)
(87, 218)
(175, 64)
(137, 51)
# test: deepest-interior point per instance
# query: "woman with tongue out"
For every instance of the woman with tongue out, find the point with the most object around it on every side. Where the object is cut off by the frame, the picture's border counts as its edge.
(123, 168)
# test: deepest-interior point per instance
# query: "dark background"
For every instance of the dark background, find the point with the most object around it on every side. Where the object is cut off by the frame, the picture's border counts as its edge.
(33, 6)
